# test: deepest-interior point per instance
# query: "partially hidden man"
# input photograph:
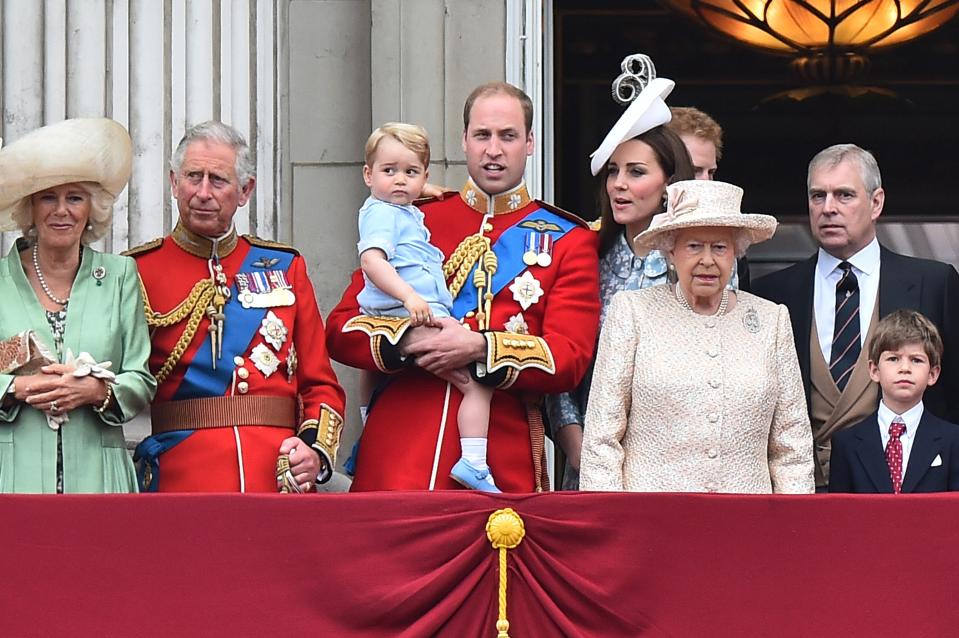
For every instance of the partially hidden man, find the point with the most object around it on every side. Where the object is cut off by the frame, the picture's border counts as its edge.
(238, 342)
(523, 276)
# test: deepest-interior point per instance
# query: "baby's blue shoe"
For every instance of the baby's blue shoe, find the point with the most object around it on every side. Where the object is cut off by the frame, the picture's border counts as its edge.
(467, 475)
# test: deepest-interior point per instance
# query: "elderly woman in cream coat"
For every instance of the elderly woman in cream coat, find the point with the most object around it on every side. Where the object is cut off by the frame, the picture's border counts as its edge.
(697, 388)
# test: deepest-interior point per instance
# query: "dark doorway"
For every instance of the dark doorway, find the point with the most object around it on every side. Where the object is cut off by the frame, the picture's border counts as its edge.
(767, 143)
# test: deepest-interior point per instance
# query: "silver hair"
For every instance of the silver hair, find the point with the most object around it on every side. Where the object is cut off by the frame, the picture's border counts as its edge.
(863, 159)
(101, 213)
(213, 131)
(742, 240)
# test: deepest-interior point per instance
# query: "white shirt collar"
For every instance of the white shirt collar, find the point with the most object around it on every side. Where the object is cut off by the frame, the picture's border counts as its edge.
(910, 417)
(865, 261)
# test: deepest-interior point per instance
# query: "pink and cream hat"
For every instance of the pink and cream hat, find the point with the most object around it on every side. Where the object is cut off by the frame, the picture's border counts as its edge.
(703, 203)
(77, 150)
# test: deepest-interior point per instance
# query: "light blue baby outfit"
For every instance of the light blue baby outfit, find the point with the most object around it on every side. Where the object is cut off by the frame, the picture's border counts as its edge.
(400, 233)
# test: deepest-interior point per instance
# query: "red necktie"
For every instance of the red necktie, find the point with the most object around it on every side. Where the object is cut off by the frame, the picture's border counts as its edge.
(894, 453)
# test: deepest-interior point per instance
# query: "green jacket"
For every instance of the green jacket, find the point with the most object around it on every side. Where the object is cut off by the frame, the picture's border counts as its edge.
(107, 321)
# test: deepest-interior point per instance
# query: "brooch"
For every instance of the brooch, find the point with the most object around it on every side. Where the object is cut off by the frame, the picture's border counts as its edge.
(99, 273)
(751, 320)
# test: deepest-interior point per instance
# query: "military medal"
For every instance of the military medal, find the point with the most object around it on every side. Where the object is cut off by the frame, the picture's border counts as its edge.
(264, 360)
(273, 330)
(267, 289)
(291, 362)
(529, 254)
(517, 324)
(526, 290)
(544, 256)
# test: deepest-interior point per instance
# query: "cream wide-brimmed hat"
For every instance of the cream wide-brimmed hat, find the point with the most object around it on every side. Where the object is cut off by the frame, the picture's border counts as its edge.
(700, 203)
(77, 150)
(646, 112)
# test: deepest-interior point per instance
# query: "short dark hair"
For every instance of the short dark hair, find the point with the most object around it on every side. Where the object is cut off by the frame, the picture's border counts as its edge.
(492, 88)
(906, 326)
(673, 158)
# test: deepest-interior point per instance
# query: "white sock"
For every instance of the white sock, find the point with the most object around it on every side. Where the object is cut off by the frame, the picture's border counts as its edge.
(474, 451)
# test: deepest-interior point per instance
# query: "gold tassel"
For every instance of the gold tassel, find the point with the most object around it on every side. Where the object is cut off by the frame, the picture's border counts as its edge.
(505, 530)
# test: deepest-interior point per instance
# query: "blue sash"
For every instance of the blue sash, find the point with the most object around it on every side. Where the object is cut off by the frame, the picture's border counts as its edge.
(240, 326)
(509, 250)
(201, 380)
(148, 454)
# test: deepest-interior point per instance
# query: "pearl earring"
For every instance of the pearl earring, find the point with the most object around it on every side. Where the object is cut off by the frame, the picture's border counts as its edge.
(89, 226)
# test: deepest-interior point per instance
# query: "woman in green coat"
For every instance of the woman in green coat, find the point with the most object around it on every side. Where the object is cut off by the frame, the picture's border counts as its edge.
(61, 426)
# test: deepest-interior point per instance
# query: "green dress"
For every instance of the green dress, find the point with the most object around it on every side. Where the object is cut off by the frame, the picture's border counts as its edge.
(104, 318)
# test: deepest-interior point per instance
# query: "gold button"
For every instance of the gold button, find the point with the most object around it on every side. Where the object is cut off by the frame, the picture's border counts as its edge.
(243, 387)
(488, 227)
(238, 361)
(243, 373)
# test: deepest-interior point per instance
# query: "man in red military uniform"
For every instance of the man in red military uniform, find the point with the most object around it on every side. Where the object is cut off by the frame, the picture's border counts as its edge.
(524, 280)
(238, 341)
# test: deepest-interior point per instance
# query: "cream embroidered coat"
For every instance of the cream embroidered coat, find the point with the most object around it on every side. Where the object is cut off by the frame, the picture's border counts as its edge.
(682, 402)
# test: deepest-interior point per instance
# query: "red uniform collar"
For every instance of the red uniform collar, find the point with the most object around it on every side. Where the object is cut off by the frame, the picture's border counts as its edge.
(202, 246)
(500, 204)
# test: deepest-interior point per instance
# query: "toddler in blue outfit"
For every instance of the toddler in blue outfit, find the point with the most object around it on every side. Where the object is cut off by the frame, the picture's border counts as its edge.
(403, 273)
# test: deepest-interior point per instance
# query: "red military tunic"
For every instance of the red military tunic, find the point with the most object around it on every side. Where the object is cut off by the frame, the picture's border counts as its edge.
(411, 439)
(226, 459)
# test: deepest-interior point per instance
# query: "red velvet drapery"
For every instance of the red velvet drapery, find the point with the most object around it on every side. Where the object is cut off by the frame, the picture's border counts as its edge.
(419, 564)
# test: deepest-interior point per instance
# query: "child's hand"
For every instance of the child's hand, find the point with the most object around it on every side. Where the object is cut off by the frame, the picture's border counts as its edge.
(420, 313)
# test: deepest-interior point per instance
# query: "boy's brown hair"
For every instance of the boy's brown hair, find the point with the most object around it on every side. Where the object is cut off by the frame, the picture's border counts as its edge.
(411, 136)
(906, 326)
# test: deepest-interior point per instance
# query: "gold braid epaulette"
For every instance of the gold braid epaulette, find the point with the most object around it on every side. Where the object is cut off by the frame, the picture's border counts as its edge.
(194, 307)
(463, 259)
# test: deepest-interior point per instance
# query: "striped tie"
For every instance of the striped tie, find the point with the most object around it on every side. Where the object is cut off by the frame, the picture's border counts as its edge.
(845, 337)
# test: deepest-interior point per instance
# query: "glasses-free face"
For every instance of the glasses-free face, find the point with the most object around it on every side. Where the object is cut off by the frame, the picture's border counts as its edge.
(635, 184)
(904, 374)
(842, 215)
(60, 214)
(704, 258)
(397, 175)
(496, 143)
(703, 154)
(207, 189)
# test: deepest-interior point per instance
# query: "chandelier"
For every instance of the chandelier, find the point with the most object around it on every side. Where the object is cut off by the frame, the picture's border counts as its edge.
(828, 38)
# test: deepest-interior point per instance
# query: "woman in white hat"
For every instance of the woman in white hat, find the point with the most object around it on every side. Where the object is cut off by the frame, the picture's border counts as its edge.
(636, 161)
(74, 311)
(697, 388)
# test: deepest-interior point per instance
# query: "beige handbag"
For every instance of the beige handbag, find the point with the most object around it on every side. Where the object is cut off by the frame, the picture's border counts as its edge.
(24, 354)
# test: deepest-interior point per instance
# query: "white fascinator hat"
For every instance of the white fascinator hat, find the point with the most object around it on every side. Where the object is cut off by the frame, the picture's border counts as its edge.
(646, 94)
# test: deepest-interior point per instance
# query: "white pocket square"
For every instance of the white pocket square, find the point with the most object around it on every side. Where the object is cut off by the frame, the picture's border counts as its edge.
(936, 462)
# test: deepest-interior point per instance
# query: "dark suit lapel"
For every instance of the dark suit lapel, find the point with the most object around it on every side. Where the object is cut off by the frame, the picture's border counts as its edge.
(800, 305)
(898, 286)
(873, 457)
(925, 447)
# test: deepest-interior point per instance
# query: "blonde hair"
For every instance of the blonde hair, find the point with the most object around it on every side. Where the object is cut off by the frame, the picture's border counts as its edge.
(98, 224)
(906, 326)
(411, 136)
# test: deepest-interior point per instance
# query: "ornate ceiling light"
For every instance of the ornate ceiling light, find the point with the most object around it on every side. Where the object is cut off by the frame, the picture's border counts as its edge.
(827, 37)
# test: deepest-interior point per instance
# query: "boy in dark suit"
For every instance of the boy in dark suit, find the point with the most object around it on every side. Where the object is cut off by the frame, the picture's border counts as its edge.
(901, 447)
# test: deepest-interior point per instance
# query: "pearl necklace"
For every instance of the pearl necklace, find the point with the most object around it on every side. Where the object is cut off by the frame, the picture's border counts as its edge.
(723, 301)
(43, 282)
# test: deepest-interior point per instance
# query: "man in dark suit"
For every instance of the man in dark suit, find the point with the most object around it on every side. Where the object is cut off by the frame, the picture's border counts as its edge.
(902, 447)
(836, 297)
